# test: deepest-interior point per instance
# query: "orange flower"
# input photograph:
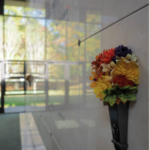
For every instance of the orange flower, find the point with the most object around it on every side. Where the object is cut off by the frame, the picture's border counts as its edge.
(107, 55)
(94, 79)
(102, 73)
(97, 63)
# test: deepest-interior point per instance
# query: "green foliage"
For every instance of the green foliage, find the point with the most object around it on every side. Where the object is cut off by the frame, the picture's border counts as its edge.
(123, 93)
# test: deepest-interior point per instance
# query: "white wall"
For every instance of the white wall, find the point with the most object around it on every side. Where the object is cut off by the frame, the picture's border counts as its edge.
(81, 122)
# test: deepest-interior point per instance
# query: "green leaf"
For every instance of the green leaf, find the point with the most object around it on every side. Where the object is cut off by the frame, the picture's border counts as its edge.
(111, 90)
(123, 97)
(113, 100)
(130, 90)
(131, 96)
(105, 92)
(125, 87)
(117, 87)
(107, 98)
(133, 89)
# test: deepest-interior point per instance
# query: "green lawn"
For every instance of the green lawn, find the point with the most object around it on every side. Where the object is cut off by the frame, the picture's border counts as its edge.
(39, 100)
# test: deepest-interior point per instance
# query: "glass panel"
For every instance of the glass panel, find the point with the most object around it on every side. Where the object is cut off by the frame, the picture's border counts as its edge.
(1, 38)
(14, 68)
(36, 87)
(93, 18)
(14, 48)
(74, 84)
(35, 68)
(35, 9)
(73, 53)
(34, 102)
(20, 8)
(93, 46)
(82, 52)
(14, 88)
(0, 83)
(14, 103)
(89, 91)
(56, 84)
(35, 93)
(34, 12)
(75, 31)
(56, 72)
(14, 85)
(35, 39)
(56, 40)
(14, 10)
(92, 28)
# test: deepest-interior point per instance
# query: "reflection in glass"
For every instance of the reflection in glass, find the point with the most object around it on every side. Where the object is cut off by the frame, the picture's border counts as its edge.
(74, 84)
(56, 84)
(35, 39)
(14, 10)
(93, 46)
(29, 133)
(36, 87)
(31, 37)
(89, 91)
(14, 103)
(14, 67)
(13, 85)
(75, 31)
(93, 18)
(24, 9)
(34, 12)
(56, 40)
(0, 83)
(73, 53)
(1, 38)
(35, 67)
(14, 46)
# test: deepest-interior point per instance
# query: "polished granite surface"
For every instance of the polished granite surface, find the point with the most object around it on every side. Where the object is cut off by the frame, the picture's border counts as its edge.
(68, 116)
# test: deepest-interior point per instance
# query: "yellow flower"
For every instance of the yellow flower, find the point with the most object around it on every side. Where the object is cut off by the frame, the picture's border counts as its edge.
(128, 68)
(101, 85)
(95, 76)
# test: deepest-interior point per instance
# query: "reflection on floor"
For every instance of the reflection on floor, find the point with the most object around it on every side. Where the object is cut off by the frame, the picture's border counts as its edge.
(10, 132)
(88, 122)
(45, 131)
(22, 109)
(30, 137)
(13, 109)
(66, 124)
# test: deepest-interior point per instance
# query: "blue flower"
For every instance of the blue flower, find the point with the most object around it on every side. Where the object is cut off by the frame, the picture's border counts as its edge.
(121, 51)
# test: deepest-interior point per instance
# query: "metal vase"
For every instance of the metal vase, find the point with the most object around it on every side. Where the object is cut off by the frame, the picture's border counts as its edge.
(119, 125)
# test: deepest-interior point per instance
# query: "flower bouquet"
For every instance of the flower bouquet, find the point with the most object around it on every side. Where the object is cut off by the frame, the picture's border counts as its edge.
(115, 81)
(116, 75)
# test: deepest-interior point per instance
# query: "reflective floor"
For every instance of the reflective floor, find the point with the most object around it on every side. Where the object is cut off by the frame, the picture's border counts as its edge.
(30, 137)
